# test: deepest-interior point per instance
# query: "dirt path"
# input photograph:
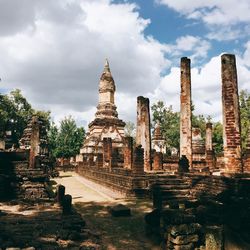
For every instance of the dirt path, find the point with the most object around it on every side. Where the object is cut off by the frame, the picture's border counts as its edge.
(116, 233)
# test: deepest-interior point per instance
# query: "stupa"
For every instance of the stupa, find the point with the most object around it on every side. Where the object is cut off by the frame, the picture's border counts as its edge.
(106, 123)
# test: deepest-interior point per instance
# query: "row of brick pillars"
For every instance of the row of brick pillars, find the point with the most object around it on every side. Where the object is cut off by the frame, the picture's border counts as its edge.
(133, 158)
(231, 116)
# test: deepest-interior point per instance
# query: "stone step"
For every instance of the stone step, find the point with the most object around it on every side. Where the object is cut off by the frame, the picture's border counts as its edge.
(173, 187)
(167, 194)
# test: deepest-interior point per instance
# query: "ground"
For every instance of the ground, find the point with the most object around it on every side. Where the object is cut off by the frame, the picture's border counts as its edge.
(116, 233)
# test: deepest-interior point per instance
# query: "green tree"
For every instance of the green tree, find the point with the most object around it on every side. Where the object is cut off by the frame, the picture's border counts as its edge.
(70, 138)
(15, 112)
(244, 98)
(169, 123)
(52, 139)
(217, 137)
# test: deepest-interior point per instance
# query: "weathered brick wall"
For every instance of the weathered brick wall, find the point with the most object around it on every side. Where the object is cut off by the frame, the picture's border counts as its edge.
(120, 180)
(185, 111)
(18, 180)
(231, 115)
(143, 133)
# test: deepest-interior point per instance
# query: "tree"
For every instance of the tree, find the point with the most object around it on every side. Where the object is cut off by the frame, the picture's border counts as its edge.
(169, 123)
(15, 112)
(67, 141)
(52, 139)
(244, 99)
(217, 137)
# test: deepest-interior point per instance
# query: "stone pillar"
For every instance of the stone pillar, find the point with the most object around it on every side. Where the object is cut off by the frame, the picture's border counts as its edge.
(158, 161)
(115, 157)
(210, 159)
(185, 111)
(143, 135)
(231, 115)
(34, 142)
(138, 161)
(107, 152)
(99, 160)
(209, 135)
(128, 152)
(198, 145)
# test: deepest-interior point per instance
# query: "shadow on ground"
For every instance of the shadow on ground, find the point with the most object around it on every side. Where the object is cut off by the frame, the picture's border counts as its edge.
(118, 233)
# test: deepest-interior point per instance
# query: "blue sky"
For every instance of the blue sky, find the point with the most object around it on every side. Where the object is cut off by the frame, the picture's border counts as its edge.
(54, 51)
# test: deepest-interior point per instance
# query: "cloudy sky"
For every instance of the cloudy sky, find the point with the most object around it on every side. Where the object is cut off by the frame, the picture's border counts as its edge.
(54, 51)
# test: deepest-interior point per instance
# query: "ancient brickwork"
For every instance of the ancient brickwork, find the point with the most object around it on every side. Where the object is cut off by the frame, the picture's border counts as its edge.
(231, 115)
(106, 122)
(210, 157)
(128, 152)
(157, 161)
(107, 152)
(185, 111)
(198, 145)
(34, 142)
(158, 142)
(138, 161)
(143, 134)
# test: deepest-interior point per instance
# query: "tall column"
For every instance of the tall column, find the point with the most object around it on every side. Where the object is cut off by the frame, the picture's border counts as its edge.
(231, 115)
(210, 160)
(107, 151)
(128, 152)
(143, 135)
(209, 134)
(158, 161)
(138, 161)
(185, 111)
(34, 141)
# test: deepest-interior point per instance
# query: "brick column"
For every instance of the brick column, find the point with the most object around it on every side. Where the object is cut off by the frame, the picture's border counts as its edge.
(185, 111)
(128, 152)
(231, 115)
(107, 152)
(138, 161)
(158, 161)
(143, 134)
(34, 142)
(210, 159)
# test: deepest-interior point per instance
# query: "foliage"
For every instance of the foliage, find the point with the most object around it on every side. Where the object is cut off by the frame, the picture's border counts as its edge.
(130, 129)
(67, 140)
(217, 137)
(169, 123)
(244, 98)
(15, 112)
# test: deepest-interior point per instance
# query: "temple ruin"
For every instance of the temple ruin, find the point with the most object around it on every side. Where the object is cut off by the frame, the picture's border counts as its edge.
(198, 198)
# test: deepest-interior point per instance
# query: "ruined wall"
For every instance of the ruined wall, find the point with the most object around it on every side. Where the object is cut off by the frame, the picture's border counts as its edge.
(185, 111)
(231, 115)
(138, 161)
(128, 152)
(107, 152)
(210, 157)
(143, 134)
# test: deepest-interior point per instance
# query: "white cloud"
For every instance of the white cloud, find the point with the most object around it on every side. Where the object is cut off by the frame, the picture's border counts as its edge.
(57, 63)
(219, 16)
(206, 87)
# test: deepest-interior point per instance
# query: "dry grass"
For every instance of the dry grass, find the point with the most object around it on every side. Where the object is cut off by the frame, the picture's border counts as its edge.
(119, 233)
